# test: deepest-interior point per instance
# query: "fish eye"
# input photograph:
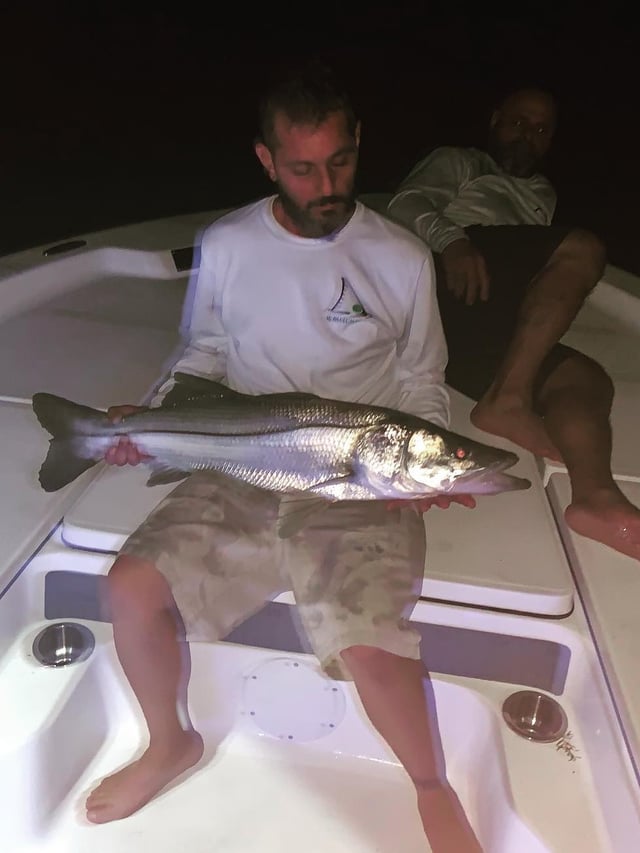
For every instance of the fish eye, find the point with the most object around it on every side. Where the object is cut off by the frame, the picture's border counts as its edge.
(461, 453)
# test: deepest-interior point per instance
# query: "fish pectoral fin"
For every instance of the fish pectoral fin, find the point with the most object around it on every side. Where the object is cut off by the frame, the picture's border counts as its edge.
(295, 511)
(164, 474)
(346, 488)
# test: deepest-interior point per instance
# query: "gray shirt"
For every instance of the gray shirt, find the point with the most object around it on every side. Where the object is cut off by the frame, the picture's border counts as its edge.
(453, 188)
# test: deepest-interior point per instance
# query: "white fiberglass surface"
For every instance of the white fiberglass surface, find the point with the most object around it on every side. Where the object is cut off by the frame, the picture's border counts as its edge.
(292, 762)
(27, 513)
(84, 329)
(608, 329)
(609, 584)
(102, 342)
(271, 790)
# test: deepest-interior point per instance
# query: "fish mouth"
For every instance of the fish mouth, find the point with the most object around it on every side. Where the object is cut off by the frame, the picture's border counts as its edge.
(507, 483)
(494, 478)
(491, 478)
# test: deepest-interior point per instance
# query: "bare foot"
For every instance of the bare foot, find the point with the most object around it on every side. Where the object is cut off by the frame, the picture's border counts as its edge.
(510, 417)
(126, 791)
(445, 822)
(607, 517)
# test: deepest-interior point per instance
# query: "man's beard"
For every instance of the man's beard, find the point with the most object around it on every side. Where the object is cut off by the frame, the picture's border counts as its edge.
(311, 220)
(517, 158)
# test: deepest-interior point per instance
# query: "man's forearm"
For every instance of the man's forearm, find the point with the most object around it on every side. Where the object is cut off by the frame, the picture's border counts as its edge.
(412, 209)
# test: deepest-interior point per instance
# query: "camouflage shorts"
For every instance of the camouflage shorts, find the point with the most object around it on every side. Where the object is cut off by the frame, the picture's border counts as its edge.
(355, 570)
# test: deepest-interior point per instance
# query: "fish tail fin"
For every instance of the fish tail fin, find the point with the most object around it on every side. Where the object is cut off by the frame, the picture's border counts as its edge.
(62, 464)
(66, 422)
(62, 418)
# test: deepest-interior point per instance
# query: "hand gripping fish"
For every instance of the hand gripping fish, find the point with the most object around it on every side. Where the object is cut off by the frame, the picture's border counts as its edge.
(288, 443)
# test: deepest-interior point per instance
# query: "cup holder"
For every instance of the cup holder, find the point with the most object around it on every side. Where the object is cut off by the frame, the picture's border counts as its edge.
(535, 716)
(63, 643)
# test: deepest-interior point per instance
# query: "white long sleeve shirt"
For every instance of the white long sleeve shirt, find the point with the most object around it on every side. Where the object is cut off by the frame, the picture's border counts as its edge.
(352, 316)
(453, 188)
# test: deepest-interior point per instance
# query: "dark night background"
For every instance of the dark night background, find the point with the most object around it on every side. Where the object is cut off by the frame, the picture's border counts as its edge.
(119, 112)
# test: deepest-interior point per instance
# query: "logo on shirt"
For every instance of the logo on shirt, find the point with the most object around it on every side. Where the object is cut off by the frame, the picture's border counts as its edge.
(348, 308)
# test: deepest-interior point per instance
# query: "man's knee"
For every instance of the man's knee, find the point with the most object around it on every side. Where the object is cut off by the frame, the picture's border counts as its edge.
(585, 249)
(579, 372)
(376, 662)
(134, 584)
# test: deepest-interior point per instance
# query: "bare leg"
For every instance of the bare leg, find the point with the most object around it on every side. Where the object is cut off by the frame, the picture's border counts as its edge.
(146, 631)
(397, 696)
(576, 404)
(553, 299)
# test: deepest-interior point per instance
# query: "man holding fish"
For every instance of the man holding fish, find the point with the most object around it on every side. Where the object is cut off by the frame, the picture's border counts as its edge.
(306, 291)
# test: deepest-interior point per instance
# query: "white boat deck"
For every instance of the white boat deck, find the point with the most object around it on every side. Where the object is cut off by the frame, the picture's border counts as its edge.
(80, 325)
(291, 762)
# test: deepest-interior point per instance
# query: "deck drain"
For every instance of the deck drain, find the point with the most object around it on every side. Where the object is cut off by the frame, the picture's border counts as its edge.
(534, 716)
(63, 643)
(292, 700)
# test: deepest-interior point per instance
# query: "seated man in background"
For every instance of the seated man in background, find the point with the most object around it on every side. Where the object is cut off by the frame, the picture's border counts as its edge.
(510, 282)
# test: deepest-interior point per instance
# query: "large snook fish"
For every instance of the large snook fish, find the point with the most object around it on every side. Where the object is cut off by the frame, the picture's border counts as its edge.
(289, 443)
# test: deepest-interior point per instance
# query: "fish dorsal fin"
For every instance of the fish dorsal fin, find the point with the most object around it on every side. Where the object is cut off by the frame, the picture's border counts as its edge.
(195, 391)
(295, 511)
(205, 386)
(189, 401)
